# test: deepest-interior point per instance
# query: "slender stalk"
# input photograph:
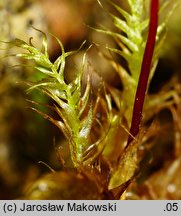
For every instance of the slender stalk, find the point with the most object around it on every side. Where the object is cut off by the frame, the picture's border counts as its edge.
(145, 71)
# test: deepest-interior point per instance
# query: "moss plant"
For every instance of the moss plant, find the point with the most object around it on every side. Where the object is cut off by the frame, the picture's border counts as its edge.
(69, 103)
(92, 127)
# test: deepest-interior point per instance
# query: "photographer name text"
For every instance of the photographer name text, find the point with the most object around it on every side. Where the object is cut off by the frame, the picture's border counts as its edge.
(68, 207)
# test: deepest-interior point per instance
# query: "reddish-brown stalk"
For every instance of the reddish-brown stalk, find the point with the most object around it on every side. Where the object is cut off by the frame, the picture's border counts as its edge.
(145, 71)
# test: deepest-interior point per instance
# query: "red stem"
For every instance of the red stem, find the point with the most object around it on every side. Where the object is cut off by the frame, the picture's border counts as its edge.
(145, 71)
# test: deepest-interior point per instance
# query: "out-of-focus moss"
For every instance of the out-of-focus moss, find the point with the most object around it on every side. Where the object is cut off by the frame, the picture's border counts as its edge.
(63, 185)
(15, 124)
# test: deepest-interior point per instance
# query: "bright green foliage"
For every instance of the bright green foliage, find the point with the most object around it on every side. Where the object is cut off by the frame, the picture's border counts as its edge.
(74, 107)
(77, 113)
(69, 103)
(131, 49)
(131, 37)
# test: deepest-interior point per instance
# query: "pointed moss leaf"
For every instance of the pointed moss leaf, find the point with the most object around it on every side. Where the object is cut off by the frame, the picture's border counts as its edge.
(38, 57)
(126, 79)
(25, 56)
(54, 97)
(126, 168)
(132, 46)
(144, 24)
(160, 43)
(44, 48)
(44, 70)
(22, 44)
(162, 26)
(163, 6)
(126, 56)
(61, 113)
(44, 43)
(61, 58)
(17, 43)
(121, 11)
(83, 65)
(74, 85)
(76, 96)
(60, 62)
(39, 84)
(50, 86)
(121, 25)
(84, 100)
(70, 114)
(95, 149)
(70, 119)
(115, 93)
(86, 124)
(89, 154)
(58, 123)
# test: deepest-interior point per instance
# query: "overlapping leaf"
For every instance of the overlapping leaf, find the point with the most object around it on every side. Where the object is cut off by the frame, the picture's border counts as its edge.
(69, 103)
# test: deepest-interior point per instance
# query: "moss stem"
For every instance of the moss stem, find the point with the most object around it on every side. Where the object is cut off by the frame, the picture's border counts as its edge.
(145, 71)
